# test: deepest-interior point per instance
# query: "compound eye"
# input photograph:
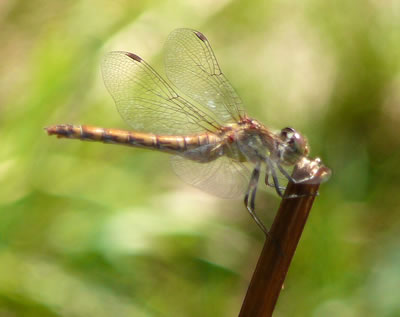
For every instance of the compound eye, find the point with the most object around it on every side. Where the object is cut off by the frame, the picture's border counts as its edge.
(296, 142)
(287, 134)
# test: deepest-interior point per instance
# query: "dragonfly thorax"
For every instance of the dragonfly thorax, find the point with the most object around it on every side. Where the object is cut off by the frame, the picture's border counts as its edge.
(253, 141)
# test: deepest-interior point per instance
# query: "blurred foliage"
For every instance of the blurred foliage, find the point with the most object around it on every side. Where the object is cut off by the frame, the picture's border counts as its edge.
(98, 230)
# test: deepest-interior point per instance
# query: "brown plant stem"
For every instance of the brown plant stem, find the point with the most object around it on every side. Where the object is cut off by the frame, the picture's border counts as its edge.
(278, 251)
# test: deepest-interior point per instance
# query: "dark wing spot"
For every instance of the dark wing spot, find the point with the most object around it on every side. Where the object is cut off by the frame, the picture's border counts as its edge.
(201, 36)
(133, 56)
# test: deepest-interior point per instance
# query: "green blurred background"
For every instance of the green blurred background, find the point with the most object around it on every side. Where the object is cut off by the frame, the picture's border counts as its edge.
(90, 229)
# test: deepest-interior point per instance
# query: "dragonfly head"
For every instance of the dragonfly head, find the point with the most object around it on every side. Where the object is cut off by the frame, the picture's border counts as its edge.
(294, 146)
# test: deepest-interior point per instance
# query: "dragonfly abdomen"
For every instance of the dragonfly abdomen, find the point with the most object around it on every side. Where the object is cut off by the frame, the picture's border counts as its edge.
(165, 143)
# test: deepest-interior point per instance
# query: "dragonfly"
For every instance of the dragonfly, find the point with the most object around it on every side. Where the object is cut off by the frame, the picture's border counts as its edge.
(214, 144)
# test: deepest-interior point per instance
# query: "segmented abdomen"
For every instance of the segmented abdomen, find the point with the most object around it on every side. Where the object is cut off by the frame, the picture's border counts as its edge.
(166, 143)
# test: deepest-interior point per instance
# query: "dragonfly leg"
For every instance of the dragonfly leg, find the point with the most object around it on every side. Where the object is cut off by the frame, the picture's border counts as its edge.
(251, 192)
(268, 183)
(267, 174)
(291, 179)
(286, 174)
(278, 188)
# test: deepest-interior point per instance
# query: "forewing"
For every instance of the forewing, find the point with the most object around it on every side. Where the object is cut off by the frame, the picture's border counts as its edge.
(222, 177)
(147, 102)
(192, 67)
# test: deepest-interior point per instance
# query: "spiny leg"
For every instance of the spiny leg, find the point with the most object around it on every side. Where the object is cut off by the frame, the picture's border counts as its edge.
(251, 191)
(267, 175)
(286, 174)
(274, 176)
(290, 178)
(295, 181)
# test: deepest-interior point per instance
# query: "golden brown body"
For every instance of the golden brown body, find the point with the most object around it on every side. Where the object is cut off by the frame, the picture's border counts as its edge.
(212, 129)
(174, 144)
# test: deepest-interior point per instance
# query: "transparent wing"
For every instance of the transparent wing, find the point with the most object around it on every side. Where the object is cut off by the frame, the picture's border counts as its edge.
(192, 67)
(222, 177)
(147, 102)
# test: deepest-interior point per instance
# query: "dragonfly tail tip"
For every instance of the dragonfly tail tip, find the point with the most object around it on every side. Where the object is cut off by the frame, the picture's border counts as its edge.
(52, 130)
